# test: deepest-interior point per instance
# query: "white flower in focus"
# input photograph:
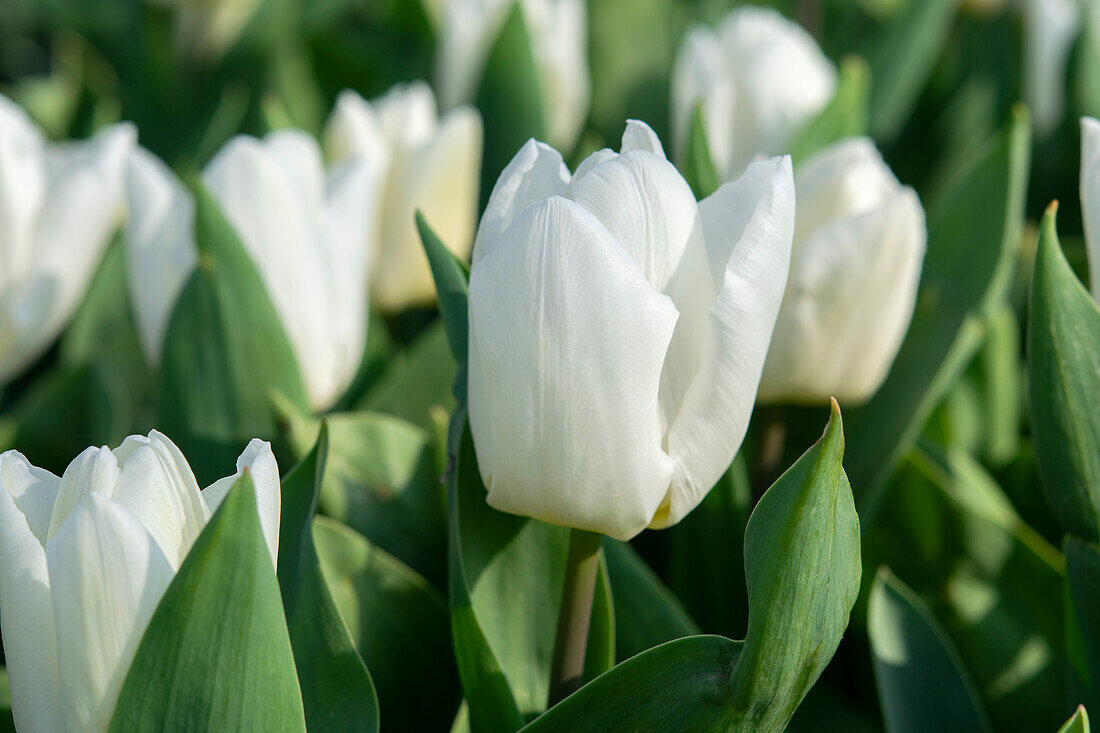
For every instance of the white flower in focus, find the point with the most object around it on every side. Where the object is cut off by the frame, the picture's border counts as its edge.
(859, 243)
(759, 77)
(59, 206)
(85, 559)
(618, 330)
(431, 164)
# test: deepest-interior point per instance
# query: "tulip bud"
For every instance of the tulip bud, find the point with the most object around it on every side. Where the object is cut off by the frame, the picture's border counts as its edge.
(206, 29)
(432, 165)
(469, 29)
(1090, 197)
(618, 330)
(59, 206)
(1050, 28)
(306, 229)
(85, 559)
(760, 78)
(859, 242)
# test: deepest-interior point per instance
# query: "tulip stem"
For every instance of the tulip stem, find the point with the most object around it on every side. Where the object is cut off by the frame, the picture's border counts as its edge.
(567, 670)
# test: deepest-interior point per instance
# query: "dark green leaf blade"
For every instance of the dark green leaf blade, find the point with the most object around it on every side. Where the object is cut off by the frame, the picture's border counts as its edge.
(451, 286)
(1064, 385)
(699, 165)
(225, 352)
(921, 681)
(1078, 722)
(216, 654)
(1083, 584)
(337, 690)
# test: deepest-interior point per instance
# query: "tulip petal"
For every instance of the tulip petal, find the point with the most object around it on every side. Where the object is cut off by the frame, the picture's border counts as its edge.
(22, 189)
(259, 461)
(535, 173)
(1090, 196)
(640, 136)
(107, 576)
(749, 225)
(30, 641)
(33, 489)
(353, 129)
(157, 485)
(559, 41)
(160, 246)
(700, 76)
(94, 471)
(1051, 26)
(579, 441)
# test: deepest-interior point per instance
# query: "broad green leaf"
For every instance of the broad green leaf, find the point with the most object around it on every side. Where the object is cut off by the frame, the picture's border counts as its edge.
(1083, 585)
(599, 655)
(706, 559)
(972, 243)
(225, 352)
(682, 685)
(648, 612)
(994, 584)
(216, 654)
(802, 568)
(1001, 381)
(398, 621)
(1064, 384)
(1078, 722)
(922, 683)
(510, 98)
(381, 479)
(337, 690)
(416, 380)
(450, 277)
(902, 57)
(698, 164)
(845, 116)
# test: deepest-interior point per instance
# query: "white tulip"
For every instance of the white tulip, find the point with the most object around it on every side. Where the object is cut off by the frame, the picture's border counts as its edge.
(431, 164)
(618, 330)
(59, 206)
(307, 231)
(1050, 28)
(85, 559)
(760, 79)
(469, 29)
(206, 29)
(1090, 197)
(859, 242)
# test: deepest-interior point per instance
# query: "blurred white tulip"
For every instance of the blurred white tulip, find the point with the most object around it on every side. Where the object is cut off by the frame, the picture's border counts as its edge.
(431, 164)
(618, 330)
(1050, 28)
(85, 559)
(759, 79)
(59, 206)
(1090, 197)
(306, 229)
(469, 29)
(206, 29)
(859, 242)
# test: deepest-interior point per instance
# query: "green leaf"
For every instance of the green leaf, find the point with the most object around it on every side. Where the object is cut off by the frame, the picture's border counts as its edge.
(1078, 722)
(698, 164)
(1083, 584)
(451, 278)
(802, 567)
(216, 654)
(648, 612)
(921, 680)
(7, 722)
(509, 98)
(1064, 384)
(599, 654)
(225, 352)
(381, 479)
(337, 690)
(416, 380)
(902, 58)
(682, 685)
(845, 116)
(398, 621)
(972, 243)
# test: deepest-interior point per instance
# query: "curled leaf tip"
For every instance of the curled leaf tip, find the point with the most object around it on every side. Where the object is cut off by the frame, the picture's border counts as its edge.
(1052, 209)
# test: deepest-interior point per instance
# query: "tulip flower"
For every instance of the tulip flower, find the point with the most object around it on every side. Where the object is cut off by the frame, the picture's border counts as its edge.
(432, 165)
(1050, 28)
(85, 559)
(759, 78)
(307, 231)
(206, 29)
(1090, 197)
(59, 206)
(618, 330)
(469, 29)
(859, 242)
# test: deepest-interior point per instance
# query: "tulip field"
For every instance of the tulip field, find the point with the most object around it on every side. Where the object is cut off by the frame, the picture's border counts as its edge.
(484, 366)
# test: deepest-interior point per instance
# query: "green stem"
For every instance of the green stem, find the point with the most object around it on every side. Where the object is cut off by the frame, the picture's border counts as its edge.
(567, 670)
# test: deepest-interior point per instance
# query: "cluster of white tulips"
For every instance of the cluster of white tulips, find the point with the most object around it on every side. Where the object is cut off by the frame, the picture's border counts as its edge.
(614, 333)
